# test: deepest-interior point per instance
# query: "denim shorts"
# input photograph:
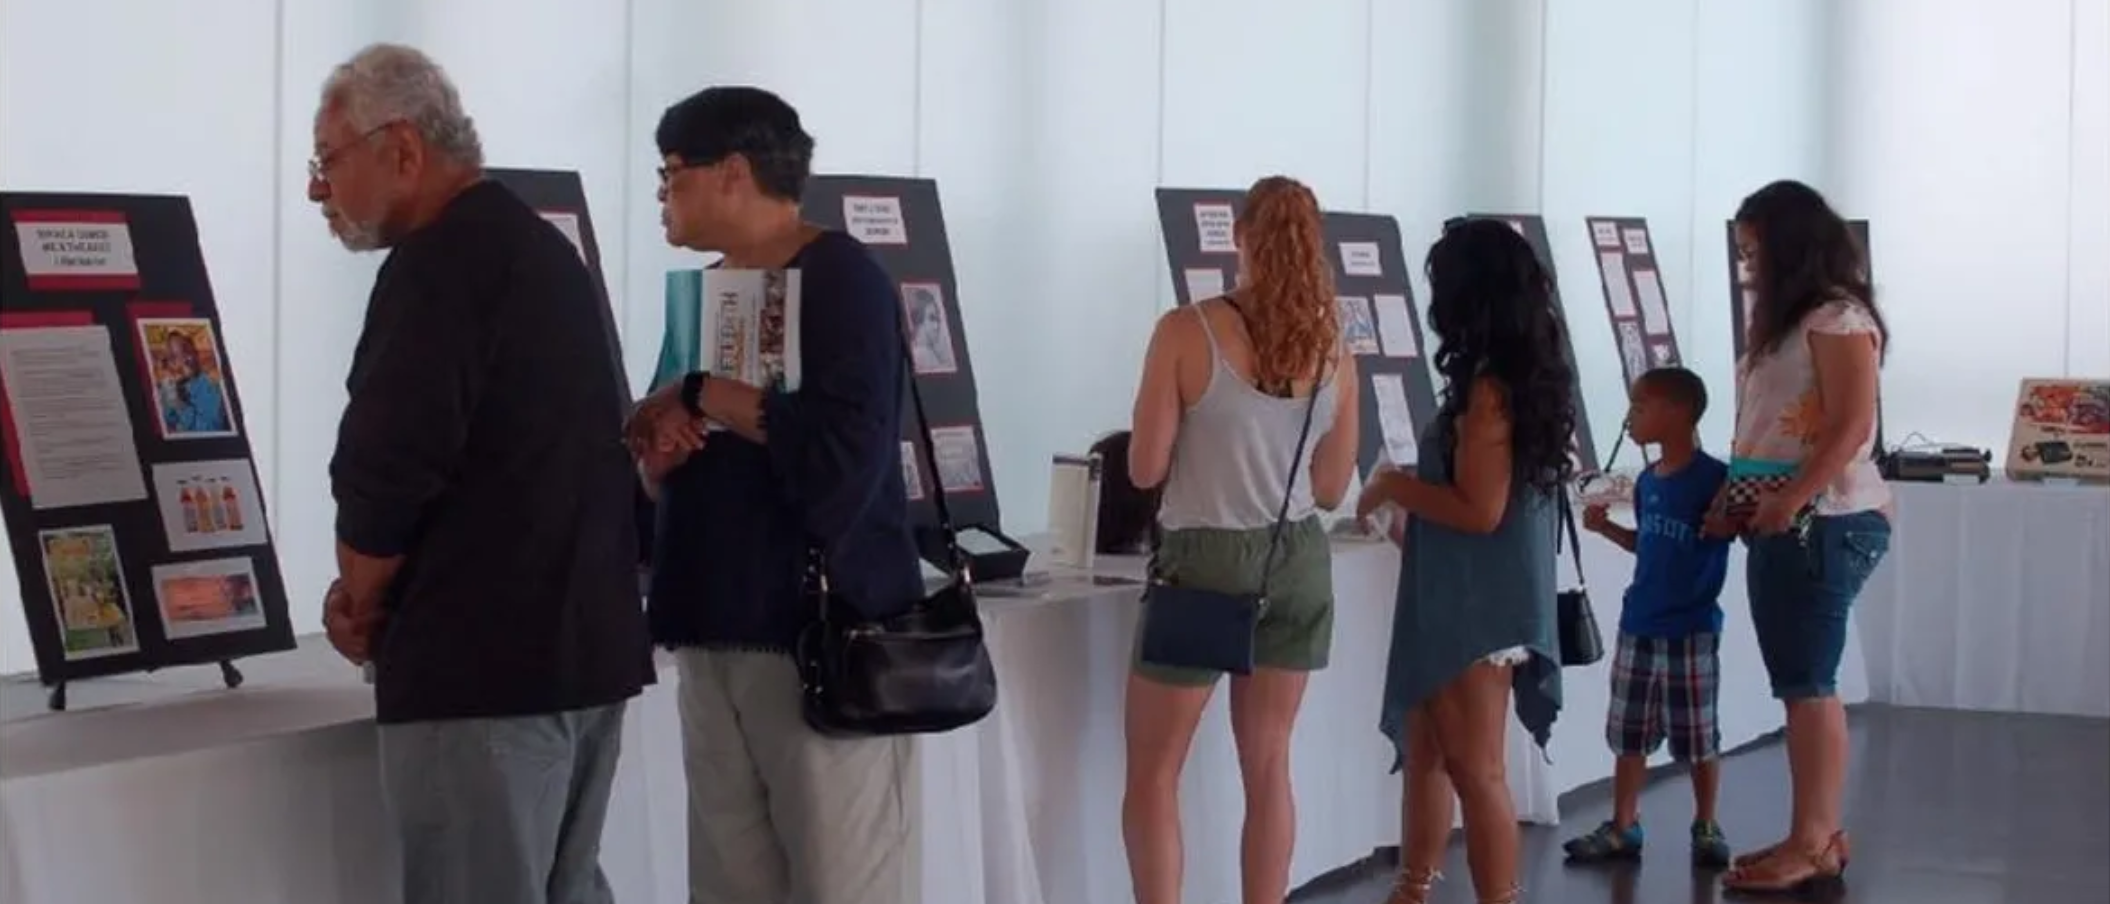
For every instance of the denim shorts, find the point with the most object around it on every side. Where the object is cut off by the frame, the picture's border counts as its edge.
(1802, 593)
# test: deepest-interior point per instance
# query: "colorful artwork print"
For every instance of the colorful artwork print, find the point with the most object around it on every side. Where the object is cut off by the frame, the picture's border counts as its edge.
(189, 377)
(88, 596)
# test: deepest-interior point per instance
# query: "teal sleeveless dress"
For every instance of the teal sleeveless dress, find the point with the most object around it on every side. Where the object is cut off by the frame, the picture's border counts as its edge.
(1465, 596)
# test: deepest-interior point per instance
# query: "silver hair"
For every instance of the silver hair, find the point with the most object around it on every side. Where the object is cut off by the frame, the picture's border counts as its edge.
(387, 83)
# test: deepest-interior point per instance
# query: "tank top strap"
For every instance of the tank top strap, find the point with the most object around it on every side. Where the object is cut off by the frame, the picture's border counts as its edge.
(1215, 353)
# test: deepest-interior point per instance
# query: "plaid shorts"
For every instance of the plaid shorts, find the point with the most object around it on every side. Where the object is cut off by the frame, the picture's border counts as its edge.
(1666, 687)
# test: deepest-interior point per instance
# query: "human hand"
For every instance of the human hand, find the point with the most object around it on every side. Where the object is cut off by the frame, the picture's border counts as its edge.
(349, 624)
(1717, 525)
(662, 424)
(1775, 514)
(1377, 491)
(657, 464)
(1595, 518)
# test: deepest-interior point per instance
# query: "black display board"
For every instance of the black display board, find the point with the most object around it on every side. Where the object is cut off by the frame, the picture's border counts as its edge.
(560, 197)
(901, 221)
(134, 511)
(1371, 284)
(1633, 295)
(1742, 297)
(1533, 228)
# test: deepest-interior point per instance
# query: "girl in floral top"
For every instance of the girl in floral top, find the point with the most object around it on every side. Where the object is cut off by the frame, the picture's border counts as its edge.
(1806, 418)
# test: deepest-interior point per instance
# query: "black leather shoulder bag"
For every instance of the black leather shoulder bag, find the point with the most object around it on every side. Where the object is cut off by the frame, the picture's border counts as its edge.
(923, 671)
(1581, 643)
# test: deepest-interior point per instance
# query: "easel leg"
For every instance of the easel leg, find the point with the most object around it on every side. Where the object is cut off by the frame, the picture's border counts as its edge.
(229, 674)
(57, 701)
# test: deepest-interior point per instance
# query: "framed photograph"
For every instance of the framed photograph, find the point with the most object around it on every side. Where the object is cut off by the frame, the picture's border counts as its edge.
(204, 598)
(959, 463)
(929, 331)
(188, 378)
(87, 584)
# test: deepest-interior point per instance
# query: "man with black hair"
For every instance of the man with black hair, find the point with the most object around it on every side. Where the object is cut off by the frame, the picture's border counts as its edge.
(777, 812)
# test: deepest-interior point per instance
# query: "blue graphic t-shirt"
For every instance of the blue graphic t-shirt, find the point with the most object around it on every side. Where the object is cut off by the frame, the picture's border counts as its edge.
(1678, 574)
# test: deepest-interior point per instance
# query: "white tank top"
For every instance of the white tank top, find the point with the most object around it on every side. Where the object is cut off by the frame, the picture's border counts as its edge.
(1232, 460)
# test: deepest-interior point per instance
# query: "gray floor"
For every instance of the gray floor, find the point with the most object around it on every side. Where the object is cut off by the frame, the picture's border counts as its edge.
(1944, 807)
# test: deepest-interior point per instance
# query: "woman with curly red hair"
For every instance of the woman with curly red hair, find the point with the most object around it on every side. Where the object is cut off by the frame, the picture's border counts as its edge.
(1247, 417)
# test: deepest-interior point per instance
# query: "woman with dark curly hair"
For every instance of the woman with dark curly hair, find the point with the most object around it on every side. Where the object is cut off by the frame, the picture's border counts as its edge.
(1247, 418)
(1474, 618)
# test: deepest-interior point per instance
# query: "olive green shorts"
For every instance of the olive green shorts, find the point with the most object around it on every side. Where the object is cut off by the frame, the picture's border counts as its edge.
(1296, 630)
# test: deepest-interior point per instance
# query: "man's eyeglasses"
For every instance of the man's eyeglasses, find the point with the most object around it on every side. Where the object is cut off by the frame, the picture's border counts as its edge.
(319, 165)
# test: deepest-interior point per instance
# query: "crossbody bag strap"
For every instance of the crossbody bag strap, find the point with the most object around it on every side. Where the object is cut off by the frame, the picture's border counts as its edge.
(1574, 537)
(1289, 489)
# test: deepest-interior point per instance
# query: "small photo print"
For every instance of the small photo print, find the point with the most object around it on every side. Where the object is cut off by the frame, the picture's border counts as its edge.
(959, 463)
(202, 598)
(929, 331)
(189, 378)
(1660, 354)
(1358, 326)
(911, 475)
(87, 584)
(209, 505)
(1631, 351)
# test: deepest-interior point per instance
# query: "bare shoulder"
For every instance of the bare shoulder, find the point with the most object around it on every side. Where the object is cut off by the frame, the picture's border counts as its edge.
(1179, 327)
(1487, 407)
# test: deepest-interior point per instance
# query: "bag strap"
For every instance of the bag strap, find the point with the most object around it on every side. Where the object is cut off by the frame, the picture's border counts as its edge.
(1574, 537)
(1296, 461)
(956, 559)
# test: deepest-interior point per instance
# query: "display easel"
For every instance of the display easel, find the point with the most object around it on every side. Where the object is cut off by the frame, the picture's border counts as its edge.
(1533, 228)
(134, 514)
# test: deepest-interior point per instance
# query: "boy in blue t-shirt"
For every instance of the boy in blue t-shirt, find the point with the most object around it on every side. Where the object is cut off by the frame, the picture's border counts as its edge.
(1665, 674)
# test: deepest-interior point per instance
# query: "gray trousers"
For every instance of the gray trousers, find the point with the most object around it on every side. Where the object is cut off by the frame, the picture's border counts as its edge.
(779, 814)
(502, 811)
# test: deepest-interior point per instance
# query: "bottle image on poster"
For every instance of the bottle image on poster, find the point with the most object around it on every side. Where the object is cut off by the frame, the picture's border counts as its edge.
(87, 583)
(209, 505)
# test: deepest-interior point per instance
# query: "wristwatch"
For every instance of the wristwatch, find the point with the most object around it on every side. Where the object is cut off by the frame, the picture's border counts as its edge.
(692, 392)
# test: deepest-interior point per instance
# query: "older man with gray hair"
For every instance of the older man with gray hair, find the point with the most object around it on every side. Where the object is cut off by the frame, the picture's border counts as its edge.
(486, 545)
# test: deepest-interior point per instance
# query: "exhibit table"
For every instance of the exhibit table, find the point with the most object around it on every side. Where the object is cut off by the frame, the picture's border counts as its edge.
(1993, 597)
(268, 794)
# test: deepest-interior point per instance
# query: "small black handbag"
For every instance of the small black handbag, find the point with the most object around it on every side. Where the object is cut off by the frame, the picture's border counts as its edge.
(1581, 643)
(1193, 628)
(923, 671)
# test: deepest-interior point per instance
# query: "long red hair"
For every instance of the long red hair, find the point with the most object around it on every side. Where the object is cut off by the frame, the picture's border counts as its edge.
(1288, 298)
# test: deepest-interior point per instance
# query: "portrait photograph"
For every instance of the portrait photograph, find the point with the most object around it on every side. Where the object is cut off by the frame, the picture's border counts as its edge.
(929, 331)
(189, 378)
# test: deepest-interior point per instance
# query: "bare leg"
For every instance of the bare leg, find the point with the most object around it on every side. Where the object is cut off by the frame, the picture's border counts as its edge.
(1817, 751)
(1263, 710)
(1159, 728)
(1706, 786)
(1629, 774)
(1472, 717)
(1427, 809)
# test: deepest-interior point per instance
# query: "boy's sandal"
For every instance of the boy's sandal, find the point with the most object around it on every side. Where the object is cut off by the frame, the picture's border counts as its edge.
(1791, 872)
(1606, 842)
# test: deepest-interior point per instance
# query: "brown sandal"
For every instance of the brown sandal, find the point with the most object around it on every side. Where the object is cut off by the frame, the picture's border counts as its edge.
(1750, 859)
(1791, 872)
(1412, 886)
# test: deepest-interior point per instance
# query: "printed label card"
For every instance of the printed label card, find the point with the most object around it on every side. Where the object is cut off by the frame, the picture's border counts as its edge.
(1213, 224)
(1361, 259)
(567, 223)
(875, 220)
(1604, 234)
(76, 250)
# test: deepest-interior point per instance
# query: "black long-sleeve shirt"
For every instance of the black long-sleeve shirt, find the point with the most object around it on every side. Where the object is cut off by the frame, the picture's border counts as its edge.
(736, 519)
(482, 442)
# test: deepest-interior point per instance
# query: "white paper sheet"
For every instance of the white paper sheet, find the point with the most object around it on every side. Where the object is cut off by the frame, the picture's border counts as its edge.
(1361, 259)
(567, 223)
(1604, 233)
(76, 249)
(1073, 510)
(1636, 241)
(911, 476)
(1395, 326)
(1358, 327)
(1204, 283)
(875, 220)
(1213, 225)
(198, 599)
(1655, 318)
(68, 407)
(1611, 267)
(209, 505)
(1394, 418)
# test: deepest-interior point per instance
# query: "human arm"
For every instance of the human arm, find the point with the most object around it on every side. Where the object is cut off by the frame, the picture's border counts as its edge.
(1155, 422)
(1598, 521)
(1333, 461)
(416, 380)
(1846, 361)
(1484, 468)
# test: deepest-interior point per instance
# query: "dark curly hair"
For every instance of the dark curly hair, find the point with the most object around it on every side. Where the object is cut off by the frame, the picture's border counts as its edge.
(1491, 306)
(1807, 256)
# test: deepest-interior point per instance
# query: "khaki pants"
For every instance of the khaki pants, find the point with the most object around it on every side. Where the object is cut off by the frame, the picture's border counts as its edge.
(779, 814)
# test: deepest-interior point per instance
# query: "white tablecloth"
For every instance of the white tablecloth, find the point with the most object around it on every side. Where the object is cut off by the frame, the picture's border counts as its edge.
(1994, 597)
(267, 794)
